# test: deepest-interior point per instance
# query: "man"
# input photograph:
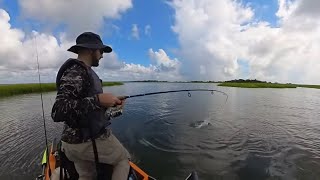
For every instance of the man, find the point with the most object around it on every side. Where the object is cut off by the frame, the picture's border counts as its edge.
(81, 105)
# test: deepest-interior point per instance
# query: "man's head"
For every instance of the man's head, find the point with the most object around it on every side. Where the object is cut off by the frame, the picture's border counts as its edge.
(89, 47)
(92, 56)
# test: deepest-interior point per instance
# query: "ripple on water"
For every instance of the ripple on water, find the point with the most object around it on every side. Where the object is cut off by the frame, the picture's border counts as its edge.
(258, 134)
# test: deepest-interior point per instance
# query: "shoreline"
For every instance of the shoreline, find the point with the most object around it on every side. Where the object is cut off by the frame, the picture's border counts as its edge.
(8, 90)
(265, 85)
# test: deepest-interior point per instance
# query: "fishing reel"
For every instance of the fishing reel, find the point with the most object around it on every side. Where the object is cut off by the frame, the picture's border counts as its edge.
(113, 112)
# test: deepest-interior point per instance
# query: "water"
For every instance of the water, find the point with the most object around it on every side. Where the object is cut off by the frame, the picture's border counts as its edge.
(257, 134)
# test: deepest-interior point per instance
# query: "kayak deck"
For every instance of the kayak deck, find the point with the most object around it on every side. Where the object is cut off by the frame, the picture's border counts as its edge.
(53, 171)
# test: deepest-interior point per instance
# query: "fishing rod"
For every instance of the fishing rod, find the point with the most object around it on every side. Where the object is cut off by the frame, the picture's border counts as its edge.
(116, 111)
(44, 121)
(184, 90)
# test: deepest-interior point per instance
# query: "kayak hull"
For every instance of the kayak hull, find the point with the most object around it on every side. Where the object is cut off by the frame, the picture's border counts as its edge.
(55, 165)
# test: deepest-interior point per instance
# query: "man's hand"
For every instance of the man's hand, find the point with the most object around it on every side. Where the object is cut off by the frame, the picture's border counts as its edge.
(116, 110)
(122, 98)
(109, 100)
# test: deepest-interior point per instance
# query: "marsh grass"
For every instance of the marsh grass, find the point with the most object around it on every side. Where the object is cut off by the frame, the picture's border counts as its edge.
(112, 83)
(310, 86)
(257, 85)
(16, 89)
(265, 85)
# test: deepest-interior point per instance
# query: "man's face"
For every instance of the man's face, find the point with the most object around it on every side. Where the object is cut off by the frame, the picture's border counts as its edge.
(96, 56)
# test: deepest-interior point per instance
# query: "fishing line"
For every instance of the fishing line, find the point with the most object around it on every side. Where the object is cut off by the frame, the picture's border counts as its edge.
(44, 121)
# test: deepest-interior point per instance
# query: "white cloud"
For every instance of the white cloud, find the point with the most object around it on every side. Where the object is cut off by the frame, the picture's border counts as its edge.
(18, 53)
(147, 30)
(215, 35)
(18, 58)
(163, 61)
(78, 16)
(206, 30)
(161, 68)
(111, 61)
(140, 72)
(127, 72)
(309, 7)
(138, 69)
(135, 31)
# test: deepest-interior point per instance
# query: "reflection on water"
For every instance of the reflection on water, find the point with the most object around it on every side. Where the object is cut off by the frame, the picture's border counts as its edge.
(257, 134)
(253, 167)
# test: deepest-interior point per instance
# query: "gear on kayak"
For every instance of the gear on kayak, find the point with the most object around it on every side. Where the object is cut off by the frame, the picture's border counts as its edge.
(59, 167)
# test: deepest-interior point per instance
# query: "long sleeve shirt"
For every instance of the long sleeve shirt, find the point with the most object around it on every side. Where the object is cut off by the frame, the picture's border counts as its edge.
(72, 102)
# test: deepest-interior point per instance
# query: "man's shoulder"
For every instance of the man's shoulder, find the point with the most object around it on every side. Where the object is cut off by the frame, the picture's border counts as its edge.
(75, 69)
(71, 71)
(73, 64)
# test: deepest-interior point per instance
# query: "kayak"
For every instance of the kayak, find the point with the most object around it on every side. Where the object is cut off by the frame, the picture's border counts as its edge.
(60, 168)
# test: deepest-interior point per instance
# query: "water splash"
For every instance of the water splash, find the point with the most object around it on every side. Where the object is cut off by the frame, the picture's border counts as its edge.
(202, 123)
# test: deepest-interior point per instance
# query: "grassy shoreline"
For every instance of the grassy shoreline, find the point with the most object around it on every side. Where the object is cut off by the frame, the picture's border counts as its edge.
(309, 86)
(256, 85)
(7, 90)
(265, 85)
(18, 89)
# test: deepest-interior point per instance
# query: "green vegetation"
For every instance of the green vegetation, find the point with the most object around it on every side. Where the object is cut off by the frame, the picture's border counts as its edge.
(202, 81)
(309, 86)
(16, 89)
(148, 81)
(112, 83)
(158, 81)
(262, 84)
(257, 85)
(242, 83)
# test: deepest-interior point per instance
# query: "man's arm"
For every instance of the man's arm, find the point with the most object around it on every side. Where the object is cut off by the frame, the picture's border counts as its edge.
(71, 102)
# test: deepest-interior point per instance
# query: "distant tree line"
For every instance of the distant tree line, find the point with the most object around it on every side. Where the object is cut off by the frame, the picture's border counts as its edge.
(148, 81)
(247, 81)
(202, 81)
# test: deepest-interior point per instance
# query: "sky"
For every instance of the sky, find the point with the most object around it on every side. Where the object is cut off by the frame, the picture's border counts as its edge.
(172, 40)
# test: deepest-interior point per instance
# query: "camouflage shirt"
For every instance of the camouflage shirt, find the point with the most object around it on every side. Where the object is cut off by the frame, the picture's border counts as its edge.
(73, 104)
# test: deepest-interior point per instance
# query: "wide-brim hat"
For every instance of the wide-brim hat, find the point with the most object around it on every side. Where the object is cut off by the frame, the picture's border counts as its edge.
(89, 40)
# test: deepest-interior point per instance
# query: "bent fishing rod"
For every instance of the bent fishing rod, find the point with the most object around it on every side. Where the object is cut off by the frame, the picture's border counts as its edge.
(183, 90)
(115, 111)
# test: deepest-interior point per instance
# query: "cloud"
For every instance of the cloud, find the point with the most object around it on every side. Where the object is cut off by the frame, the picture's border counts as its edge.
(135, 31)
(111, 62)
(307, 7)
(139, 72)
(205, 31)
(77, 16)
(216, 35)
(147, 30)
(138, 69)
(19, 50)
(161, 68)
(127, 72)
(163, 61)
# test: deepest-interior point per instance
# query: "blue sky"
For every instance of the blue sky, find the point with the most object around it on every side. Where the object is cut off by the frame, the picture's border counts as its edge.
(186, 40)
(265, 10)
(158, 14)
